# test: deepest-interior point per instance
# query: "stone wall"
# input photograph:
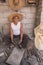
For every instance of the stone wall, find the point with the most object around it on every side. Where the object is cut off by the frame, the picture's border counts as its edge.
(28, 20)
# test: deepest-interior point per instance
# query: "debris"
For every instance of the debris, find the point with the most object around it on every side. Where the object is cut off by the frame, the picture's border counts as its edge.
(1, 54)
(3, 64)
(30, 57)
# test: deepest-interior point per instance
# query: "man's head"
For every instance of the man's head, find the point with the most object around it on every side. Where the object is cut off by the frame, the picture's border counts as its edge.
(15, 19)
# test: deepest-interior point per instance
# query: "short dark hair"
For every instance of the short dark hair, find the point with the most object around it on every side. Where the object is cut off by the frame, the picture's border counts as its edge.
(14, 17)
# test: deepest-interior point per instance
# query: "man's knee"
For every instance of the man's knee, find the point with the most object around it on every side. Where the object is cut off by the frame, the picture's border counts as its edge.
(25, 37)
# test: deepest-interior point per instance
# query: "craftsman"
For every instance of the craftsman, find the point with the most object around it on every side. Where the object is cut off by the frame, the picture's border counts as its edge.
(16, 32)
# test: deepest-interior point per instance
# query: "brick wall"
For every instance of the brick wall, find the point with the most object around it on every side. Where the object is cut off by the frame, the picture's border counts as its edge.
(38, 13)
(42, 12)
(28, 18)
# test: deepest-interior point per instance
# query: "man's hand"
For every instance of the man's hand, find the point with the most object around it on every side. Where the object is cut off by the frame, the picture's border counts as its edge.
(12, 41)
(20, 41)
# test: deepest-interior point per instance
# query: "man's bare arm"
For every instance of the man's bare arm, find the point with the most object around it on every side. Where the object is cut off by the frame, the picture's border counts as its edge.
(11, 33)
(21, 31)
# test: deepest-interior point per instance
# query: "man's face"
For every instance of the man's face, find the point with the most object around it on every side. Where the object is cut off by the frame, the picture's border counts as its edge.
(16, 20)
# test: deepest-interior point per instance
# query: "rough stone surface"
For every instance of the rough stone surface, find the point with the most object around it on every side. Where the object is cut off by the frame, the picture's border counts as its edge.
(16, 56)
(32, 56)
(3, 64)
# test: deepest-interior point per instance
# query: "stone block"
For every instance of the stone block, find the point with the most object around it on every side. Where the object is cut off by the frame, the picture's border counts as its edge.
(16, 56)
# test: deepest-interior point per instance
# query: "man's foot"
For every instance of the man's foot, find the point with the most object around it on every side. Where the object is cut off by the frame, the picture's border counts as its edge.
(20, 46)
(12, 46)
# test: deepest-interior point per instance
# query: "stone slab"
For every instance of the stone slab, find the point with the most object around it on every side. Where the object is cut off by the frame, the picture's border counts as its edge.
(16, 56)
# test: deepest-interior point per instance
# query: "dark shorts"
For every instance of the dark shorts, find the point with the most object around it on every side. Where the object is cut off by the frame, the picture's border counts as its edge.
(24, 40)
(24, 43)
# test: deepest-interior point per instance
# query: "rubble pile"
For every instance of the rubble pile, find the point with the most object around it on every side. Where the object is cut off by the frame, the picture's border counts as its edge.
(31, 56)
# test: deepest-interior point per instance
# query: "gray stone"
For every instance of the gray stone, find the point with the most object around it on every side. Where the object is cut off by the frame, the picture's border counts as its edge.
(16, 56)
(41, 63)
(3, 64)
(2, 57)
(32, 60)
(40, 53)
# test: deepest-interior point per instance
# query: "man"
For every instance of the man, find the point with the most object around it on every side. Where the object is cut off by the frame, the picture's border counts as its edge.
(16, 32)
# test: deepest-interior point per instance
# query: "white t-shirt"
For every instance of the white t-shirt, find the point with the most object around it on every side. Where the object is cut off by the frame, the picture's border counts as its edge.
(15, 28)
